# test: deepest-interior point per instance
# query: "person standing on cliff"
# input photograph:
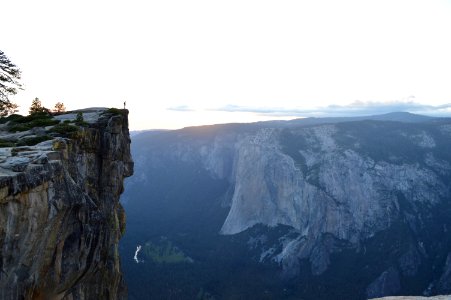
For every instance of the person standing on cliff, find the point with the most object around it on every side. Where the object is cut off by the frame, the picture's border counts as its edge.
(124, 104)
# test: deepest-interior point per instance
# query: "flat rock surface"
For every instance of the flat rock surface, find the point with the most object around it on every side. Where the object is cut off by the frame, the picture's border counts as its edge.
(90, 115)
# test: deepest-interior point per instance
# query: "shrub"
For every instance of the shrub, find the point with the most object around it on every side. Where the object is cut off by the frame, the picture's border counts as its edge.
(79, 120)
(31, 141)
(19, 127)
(43, 122)
(114, 111)
(18, 119)
(64, 128)
(4, 143)
(39, 119)
(12, 118)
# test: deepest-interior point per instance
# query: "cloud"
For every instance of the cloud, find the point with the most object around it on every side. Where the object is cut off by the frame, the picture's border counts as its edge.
(354, 109)
(181, 108)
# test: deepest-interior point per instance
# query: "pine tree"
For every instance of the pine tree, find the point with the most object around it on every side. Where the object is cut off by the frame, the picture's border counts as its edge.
(36, 107)
(9, 84)
(79, 120)
(59, 108)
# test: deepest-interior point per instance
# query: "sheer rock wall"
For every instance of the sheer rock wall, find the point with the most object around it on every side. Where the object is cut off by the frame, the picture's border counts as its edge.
(60, 216)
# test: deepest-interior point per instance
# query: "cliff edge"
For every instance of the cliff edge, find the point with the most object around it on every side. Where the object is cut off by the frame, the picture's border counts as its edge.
(60, 216)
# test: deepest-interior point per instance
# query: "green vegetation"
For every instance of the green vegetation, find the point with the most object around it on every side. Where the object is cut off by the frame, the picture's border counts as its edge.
(31, 141)
(12, 118)
(4, 143)
(41, 124)
(27, 141)
(21, 123)
(64, 129)
(164, 252)
(19, 127)
(79, 120)
(114, 111)
(40, 118)
(44, 122)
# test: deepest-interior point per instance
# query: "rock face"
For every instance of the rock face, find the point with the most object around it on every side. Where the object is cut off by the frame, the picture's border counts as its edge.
(444, 283)
(324, 186)
(60, 219)
(386, 284)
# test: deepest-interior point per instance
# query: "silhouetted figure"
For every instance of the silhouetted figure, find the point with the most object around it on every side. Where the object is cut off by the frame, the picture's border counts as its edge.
(124, 104)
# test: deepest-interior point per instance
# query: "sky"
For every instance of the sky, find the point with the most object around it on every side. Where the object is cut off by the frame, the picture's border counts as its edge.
(183, 63)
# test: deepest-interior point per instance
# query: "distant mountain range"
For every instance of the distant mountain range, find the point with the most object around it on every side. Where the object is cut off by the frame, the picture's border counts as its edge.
(314, 208)
(136, 132)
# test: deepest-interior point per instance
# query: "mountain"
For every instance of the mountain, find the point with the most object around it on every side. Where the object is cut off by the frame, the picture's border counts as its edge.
(393, 116)
(136, 132)
(334, 208)
(60, 216)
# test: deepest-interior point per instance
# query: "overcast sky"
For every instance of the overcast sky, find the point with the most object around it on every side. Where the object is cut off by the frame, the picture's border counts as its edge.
(180, 63)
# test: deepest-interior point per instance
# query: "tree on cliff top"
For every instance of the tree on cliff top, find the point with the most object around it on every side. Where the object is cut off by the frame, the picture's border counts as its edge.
(37, 108)
(9, 84)
(59, 108)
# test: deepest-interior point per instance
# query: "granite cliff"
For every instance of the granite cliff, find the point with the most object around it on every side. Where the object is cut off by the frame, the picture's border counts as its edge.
(60, 216)
(346, 208)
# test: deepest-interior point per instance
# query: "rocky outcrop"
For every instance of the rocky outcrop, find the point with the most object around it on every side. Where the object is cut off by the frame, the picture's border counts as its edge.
(386, 284)
(444, 283)
(60, 216)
